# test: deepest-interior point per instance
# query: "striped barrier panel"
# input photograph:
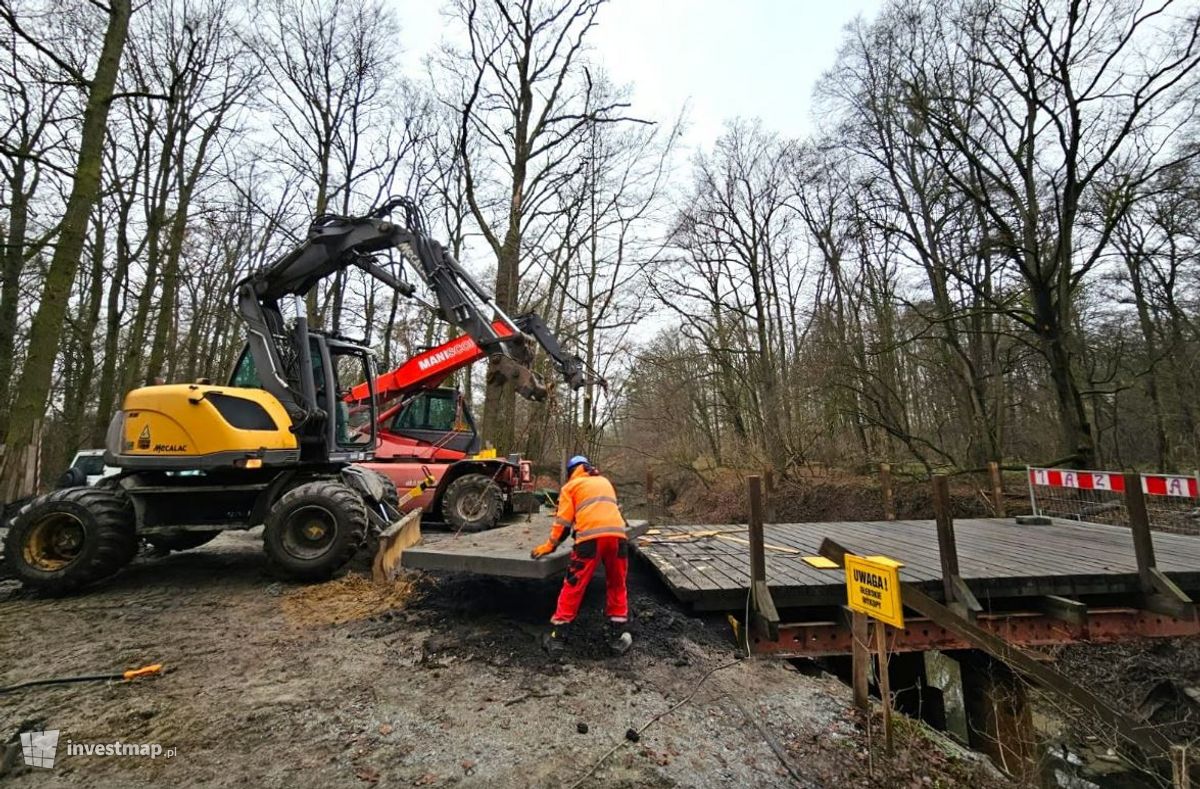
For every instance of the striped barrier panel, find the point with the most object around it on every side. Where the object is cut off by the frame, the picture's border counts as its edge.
(1172, 500)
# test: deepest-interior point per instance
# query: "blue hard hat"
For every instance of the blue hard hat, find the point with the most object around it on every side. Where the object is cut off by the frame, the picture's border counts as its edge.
(578, 460)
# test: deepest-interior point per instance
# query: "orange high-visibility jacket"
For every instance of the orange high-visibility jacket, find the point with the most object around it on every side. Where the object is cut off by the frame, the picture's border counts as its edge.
(588, 505)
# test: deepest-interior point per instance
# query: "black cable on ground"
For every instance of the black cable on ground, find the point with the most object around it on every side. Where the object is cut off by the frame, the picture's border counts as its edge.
(126, 676)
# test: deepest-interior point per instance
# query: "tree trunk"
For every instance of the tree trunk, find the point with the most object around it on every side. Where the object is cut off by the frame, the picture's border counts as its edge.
(13, 263)
(164, 330)
(1075, 431)
(1162, 448)
(499, 402)
(106, 392)
(80, 397)
(46, 329)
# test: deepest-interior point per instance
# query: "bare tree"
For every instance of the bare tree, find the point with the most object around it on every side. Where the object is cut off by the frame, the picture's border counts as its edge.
(737, 237)
(17, 475)
(522, 91)
(1042, 103)
(332, 68)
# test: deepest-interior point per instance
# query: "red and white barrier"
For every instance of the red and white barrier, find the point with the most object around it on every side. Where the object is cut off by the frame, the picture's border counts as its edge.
(1080, 480)
(1178, 485)
(1170, 485)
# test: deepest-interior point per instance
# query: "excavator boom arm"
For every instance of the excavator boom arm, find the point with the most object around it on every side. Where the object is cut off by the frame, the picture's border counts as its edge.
(335, 243)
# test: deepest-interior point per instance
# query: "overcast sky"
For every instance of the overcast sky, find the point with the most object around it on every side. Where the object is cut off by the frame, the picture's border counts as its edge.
(723, 58)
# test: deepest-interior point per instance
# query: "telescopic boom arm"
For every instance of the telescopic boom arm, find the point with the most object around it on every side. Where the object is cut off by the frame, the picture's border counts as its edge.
(429, 367)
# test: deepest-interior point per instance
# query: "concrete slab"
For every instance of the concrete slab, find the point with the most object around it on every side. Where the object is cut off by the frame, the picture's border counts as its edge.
(503, 551)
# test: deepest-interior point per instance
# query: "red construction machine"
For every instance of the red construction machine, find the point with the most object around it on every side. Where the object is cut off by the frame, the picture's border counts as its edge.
(424, 428)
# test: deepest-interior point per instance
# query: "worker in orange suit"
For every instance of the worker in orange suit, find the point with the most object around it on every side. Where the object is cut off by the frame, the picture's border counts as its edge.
(587, 505)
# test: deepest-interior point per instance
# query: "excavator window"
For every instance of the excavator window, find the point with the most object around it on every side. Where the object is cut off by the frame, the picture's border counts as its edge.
(245, 374)
(348, 369)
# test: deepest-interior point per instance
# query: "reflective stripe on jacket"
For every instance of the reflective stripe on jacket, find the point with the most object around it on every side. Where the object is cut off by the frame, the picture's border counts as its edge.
(588, 505)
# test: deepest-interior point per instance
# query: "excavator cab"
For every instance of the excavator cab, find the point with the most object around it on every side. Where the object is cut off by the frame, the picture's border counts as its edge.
(341, 428)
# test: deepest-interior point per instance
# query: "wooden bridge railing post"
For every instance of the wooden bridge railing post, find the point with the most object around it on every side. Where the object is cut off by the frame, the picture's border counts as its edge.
(1161, 593)
(1139, 524)
(885, 485)
(958, 595)
(649, 495)
(769, 508)
(997, 489)
(947, 548)
(758, 558)
(764, 617)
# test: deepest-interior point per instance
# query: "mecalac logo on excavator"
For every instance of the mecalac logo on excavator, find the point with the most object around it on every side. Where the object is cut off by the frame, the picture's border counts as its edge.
(170, 447)
(144, 438)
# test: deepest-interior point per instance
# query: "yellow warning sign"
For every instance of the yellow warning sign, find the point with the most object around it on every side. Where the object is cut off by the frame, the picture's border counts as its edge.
(873, 588)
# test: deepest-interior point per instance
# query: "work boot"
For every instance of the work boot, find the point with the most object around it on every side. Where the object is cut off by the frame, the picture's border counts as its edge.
(555, 641)
(618, 637)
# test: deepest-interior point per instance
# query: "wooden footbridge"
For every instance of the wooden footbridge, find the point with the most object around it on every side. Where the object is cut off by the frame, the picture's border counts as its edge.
(984, 589)
(1035, 581)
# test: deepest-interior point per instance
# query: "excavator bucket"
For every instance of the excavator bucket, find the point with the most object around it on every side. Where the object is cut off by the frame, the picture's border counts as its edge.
(402, 534)
(503, 370)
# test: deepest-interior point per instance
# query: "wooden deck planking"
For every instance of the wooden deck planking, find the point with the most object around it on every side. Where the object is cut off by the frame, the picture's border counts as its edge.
(982, 551)
(1033, 536)
(997, 557)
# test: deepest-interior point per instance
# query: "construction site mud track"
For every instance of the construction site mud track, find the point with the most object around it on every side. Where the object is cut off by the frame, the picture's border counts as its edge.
(437, 681)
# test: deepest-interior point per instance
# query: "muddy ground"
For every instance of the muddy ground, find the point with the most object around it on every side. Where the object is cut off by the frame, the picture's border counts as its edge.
(438, 681)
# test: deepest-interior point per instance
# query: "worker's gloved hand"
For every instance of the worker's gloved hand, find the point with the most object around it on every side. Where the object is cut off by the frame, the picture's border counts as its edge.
(545, 549)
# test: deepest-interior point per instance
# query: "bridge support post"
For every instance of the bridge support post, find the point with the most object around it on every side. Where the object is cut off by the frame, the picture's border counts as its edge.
(764, 619)
(999, 719)
(958, 595)
(1160, 593)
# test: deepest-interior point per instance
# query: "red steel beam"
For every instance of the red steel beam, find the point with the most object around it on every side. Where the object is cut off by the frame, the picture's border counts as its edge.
(1102, 626)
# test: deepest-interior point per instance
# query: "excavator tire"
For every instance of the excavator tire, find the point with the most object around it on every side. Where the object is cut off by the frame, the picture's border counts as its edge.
(314, 530)
(71, 538)
(473, 502)
(180, 540)
(391, 496)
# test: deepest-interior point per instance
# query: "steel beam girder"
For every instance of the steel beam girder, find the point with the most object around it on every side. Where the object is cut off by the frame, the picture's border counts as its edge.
(1102, 626)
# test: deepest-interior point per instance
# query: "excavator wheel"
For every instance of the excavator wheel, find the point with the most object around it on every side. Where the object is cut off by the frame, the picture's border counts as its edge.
(314, 529)
(473, 502)
(70, 538)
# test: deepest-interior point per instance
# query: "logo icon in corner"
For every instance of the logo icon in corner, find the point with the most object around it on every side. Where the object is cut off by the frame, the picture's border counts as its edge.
(144, 438)
(38, 747)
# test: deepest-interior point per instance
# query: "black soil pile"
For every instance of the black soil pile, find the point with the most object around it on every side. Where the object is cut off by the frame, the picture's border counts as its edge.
(501, 622)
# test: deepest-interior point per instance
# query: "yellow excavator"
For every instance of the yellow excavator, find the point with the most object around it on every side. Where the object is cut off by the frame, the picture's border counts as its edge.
(276, 445)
